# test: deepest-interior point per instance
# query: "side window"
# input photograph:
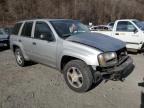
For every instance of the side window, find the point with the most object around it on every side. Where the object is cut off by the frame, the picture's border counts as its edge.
(43, 31)
(131, 27)
(125, 26)
(27, 29)
(16, 29)
(95, 28)
(111, 24)
(1, 33)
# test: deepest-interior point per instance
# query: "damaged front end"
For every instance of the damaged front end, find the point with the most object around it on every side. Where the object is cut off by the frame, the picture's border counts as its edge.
(119, 71)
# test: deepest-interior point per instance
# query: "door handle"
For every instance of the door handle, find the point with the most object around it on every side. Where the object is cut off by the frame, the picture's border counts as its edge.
(20, 40)
(117, 34)
(34, 43)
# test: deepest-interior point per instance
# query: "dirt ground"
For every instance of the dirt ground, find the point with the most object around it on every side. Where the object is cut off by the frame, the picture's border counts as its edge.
(38, 86)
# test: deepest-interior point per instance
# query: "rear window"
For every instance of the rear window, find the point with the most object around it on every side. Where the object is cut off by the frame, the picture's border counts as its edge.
(27, 28)
(16, 29)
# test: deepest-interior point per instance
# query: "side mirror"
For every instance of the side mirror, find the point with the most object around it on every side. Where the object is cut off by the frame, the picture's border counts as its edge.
(135, 30)
(47, 36)
(131, 28)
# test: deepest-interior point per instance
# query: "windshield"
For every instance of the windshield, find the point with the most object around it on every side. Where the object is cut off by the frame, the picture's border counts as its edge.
(8, 30)
(139, 24)
(2, 32)
(66, 28)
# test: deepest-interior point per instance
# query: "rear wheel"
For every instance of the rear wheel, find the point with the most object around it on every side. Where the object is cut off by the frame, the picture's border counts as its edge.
(78, 76)
(19, 58)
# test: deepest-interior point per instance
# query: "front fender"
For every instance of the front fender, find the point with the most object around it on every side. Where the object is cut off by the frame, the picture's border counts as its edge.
(79, 51)
(89, 59)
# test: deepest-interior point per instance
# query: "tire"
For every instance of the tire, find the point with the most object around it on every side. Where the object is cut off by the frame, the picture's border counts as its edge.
(19, 57)
(83, 76)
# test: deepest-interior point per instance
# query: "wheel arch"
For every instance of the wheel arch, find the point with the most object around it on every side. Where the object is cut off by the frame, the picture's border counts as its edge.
(65, 59)
(14, 46)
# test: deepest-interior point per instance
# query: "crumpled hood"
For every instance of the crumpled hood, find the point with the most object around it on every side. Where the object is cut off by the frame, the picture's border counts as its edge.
(99, 41)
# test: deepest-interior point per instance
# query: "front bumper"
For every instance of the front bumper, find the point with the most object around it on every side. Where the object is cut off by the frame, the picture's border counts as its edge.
(120, 71)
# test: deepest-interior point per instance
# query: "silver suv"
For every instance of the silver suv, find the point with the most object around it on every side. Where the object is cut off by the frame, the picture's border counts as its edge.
(83, 57)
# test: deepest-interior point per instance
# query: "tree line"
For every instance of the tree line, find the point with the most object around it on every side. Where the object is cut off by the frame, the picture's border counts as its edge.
(96, 11)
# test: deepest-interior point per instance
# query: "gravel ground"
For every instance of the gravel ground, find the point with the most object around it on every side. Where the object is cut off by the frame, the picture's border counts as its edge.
(38, 86)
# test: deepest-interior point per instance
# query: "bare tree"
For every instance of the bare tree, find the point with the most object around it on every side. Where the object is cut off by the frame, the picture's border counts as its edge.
(97, 11)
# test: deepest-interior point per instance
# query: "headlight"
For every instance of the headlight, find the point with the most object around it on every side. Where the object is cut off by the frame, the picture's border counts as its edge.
(107, 59)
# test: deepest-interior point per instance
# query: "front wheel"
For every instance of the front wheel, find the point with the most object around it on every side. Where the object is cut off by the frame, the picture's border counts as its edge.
(78, 76)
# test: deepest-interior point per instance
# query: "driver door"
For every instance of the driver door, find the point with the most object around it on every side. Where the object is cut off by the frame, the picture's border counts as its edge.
(128, 33)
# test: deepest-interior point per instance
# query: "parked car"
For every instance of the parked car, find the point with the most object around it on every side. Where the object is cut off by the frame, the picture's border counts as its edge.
(68, 46)
(130, 31)
(8, 30)
(111, 24)
(4, 38)
(100, 28)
